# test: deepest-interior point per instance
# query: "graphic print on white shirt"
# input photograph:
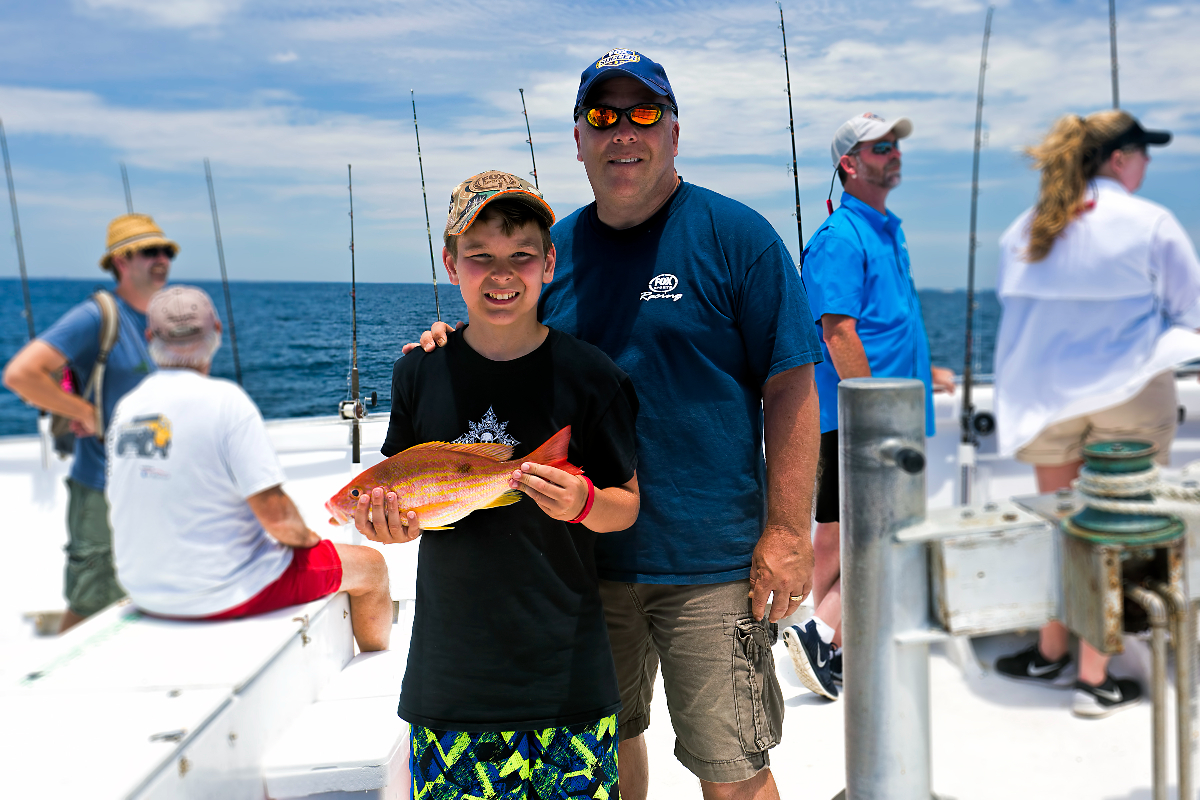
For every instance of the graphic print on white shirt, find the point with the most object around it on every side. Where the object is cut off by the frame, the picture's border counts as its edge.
(489, 431)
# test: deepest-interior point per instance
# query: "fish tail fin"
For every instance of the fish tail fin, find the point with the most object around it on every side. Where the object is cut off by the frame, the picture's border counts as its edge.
(553, 453)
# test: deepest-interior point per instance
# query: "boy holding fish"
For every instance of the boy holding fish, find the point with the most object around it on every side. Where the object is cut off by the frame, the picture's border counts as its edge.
(510, 687)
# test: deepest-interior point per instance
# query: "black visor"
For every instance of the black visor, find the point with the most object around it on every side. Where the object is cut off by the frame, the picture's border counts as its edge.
(1134, 134)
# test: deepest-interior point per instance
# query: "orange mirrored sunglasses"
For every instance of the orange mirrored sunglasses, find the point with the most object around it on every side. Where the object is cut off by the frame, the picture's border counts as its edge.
(643, 114)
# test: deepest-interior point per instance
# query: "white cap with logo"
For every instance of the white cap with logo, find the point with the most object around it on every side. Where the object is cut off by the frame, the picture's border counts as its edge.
(864, 129)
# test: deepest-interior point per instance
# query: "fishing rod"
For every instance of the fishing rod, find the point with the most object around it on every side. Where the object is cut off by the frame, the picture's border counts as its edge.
(1112, 44)
(525, 111)
(357, 409)
(212, 201)
(128, 194)
(792, 127)
(970, 437)
(12, 201)
(428, 233)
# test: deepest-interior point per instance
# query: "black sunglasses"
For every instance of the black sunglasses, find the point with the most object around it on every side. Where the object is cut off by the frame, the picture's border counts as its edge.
(643, 114)
(880, 148)
(158, 250)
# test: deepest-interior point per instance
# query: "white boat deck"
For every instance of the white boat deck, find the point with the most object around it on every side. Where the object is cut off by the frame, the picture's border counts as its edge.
(83, 726)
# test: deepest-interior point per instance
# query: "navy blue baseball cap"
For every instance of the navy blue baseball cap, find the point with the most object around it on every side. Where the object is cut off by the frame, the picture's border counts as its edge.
(623, 62)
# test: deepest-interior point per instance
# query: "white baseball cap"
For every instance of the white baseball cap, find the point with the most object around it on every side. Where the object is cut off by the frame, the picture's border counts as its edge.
(864, 129)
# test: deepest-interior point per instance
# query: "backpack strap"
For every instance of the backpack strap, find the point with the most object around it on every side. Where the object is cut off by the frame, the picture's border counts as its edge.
(109, 327)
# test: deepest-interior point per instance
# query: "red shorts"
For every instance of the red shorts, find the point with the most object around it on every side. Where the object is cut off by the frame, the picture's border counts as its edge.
(314, 572)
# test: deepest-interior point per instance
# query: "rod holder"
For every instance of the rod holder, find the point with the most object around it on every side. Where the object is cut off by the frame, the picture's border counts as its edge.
(885, 589)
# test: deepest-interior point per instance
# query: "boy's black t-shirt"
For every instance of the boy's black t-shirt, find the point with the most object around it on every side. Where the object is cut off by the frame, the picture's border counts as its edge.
(509, 632)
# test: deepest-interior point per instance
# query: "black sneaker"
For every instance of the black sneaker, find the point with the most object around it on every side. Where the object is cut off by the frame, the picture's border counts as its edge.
(1031, 665)
(811, 658)
(1100, 701)
(835, 667)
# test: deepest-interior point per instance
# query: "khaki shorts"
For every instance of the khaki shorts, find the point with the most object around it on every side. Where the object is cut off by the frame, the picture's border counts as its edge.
(718, 670)
(89, 580)
(1151, 414)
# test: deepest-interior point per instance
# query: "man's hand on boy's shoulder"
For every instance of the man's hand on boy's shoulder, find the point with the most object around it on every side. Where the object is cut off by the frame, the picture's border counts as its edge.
(378, 518)
(434, 337)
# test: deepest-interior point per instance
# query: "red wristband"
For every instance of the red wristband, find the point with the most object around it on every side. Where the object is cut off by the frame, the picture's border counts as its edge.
(591, 498)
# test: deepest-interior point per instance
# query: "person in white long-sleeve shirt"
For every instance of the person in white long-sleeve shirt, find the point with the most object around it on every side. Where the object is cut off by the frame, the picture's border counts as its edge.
(1101, 297)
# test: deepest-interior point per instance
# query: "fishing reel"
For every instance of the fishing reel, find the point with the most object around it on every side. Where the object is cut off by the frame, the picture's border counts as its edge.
(354, 409)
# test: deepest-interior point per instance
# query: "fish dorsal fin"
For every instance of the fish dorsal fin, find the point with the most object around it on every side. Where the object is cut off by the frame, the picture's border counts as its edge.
(498, 452)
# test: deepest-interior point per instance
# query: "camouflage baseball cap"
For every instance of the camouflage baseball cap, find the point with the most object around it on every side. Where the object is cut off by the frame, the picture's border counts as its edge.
(470, 196)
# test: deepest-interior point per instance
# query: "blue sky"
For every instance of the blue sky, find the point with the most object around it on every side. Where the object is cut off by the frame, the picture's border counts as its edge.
(282, 94)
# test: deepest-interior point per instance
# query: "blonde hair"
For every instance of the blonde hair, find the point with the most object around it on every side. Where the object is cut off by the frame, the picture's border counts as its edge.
(1069, 157)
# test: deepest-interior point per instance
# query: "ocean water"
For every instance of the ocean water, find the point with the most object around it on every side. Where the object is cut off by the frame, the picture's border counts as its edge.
(294, 338)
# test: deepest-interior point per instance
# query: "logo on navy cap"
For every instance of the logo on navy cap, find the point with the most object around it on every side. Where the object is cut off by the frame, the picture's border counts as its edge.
(615, 58)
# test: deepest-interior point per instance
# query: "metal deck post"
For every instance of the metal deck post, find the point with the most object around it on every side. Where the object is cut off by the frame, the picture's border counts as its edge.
(885, 589)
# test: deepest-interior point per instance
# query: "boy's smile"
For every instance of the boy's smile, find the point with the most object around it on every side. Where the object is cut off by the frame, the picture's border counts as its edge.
(501, 277)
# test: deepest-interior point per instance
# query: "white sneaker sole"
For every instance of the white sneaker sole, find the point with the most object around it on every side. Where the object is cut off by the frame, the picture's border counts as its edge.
(1088, 708)
(804, 670)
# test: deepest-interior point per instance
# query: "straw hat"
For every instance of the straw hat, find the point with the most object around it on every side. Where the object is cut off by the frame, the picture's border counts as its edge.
(133, 232)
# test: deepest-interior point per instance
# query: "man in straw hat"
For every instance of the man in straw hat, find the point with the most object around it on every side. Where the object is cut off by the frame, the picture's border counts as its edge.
(202, 526)
(864, 302)
(139, 257)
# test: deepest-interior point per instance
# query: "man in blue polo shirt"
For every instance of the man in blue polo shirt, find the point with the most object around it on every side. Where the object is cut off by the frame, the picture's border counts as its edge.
(860, 289)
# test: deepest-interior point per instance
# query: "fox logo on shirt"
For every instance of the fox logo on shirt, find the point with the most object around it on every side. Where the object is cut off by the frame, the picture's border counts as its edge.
(661, 287)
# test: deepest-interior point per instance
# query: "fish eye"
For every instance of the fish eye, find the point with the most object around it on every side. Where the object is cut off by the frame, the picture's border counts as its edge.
(354, 492)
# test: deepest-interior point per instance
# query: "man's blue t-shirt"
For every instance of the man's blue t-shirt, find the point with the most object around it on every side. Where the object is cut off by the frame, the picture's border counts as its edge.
(857, 264)
(77, 336)
(699, 305)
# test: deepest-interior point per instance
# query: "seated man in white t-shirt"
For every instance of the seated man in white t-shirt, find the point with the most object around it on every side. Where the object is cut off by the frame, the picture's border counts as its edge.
(201, 526)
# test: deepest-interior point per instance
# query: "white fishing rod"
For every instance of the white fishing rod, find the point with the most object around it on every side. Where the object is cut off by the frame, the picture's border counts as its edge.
(970, 431)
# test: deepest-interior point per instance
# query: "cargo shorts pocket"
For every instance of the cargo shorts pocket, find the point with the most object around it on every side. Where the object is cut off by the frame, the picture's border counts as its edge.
(758, 700)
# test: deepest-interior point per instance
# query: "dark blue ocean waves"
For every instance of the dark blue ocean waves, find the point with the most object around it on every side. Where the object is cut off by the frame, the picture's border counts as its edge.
(294, 338)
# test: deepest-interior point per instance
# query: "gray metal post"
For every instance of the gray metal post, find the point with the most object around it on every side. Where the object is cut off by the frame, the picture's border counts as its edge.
(885, 589)
(1156, 610)
(1182, 636)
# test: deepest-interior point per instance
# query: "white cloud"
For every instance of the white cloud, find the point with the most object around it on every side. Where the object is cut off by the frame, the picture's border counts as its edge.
(167, 13)
(285, 58)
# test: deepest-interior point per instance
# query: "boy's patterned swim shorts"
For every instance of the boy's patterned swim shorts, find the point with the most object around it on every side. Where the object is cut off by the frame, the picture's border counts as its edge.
(576, 761)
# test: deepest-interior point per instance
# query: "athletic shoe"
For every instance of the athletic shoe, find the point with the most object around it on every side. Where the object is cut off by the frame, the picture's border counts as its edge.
(811, 658)
(1100, 701)
(1031, 665)
(835, 667)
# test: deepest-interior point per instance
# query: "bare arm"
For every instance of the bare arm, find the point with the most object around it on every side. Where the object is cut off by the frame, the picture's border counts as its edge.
(783, 558)
(279, 517)
(30, 376)
(563, 495)
(845, 348)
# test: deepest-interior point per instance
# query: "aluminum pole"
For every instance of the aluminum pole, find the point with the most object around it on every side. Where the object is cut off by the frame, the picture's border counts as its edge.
(1183, 637)
(1156, 610)
(885, 589)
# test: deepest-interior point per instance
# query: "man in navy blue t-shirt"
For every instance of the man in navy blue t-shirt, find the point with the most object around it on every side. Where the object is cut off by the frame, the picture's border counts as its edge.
(695, 297)
(139, 257)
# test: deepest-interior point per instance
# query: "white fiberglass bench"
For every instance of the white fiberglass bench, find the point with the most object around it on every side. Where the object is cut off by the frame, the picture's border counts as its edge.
(130, 706)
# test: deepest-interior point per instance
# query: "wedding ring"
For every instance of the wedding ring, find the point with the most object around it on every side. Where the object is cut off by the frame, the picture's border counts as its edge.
(797, 597)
